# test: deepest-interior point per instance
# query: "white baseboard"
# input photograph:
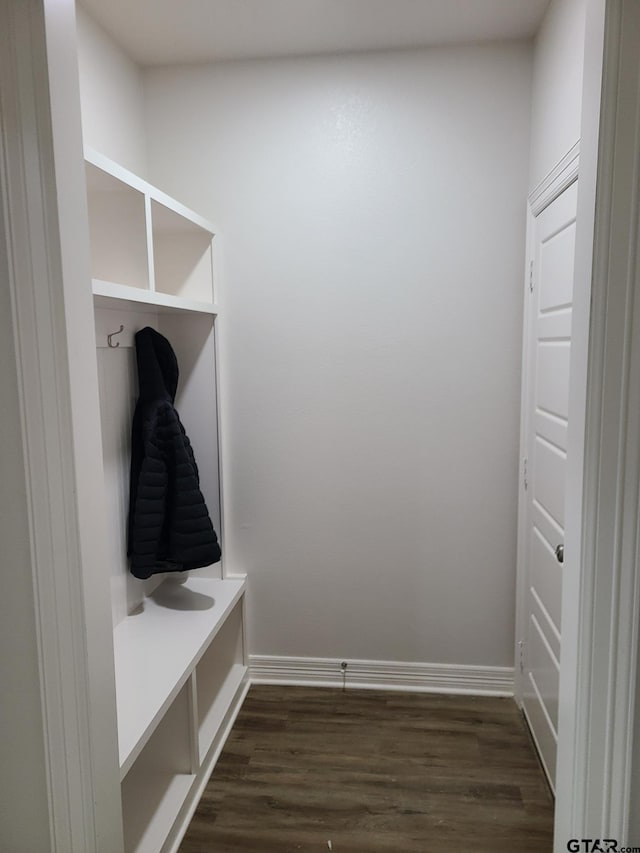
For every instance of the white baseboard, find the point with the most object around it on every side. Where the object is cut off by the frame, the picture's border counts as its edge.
(383, 675)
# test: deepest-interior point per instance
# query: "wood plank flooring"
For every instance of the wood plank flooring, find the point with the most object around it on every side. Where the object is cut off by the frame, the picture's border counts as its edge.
(316, 769)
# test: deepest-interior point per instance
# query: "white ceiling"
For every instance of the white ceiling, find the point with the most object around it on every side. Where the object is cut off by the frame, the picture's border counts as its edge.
(159, 32)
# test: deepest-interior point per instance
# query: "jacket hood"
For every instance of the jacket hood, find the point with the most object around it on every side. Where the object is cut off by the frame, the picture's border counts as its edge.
(157, 366)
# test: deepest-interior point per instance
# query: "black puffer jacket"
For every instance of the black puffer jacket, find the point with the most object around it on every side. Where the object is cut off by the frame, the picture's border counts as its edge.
(169, 524)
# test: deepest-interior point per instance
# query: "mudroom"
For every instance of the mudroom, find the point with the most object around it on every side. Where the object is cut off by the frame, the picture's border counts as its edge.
(303, 373)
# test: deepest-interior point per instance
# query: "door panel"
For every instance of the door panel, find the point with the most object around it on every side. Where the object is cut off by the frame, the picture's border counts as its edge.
(551, 633)
(548, 472)
(545, 737)
(556, 269)
(549, 529)
(545, 669)
(553, 427)
(545, 420)
(553, 378)
(545, 578)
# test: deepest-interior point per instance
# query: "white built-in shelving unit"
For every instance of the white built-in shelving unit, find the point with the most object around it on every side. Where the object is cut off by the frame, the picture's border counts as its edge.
(145, 246)
(179, 648)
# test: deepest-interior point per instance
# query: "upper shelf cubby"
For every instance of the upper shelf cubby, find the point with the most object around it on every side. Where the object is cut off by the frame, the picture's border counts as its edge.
(145, 246)
(182, 258)
(118, 230)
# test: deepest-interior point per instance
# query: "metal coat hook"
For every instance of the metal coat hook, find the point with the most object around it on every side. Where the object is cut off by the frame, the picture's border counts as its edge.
(112, 335)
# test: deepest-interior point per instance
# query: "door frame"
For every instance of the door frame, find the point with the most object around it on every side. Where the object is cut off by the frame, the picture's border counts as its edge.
(46, 237)
(601, 602)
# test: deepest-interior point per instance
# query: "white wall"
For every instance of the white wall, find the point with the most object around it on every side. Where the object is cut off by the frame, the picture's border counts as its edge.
(557, 86)
(111, 97)
(372, 212)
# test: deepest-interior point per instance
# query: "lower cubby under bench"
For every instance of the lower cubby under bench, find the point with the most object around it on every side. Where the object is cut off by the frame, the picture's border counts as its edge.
(180, 681)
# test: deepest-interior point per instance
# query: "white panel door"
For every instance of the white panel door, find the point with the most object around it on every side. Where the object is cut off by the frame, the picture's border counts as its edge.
(546, 422)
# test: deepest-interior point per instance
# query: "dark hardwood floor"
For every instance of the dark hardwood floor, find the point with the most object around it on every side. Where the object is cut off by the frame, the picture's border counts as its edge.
(315, 769)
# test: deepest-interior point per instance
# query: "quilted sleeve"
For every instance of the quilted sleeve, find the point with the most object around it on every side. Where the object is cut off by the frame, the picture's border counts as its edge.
(192, 537)
(149, 514)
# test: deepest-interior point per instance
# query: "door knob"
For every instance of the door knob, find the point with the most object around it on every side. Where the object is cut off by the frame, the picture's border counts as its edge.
(560, 553)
